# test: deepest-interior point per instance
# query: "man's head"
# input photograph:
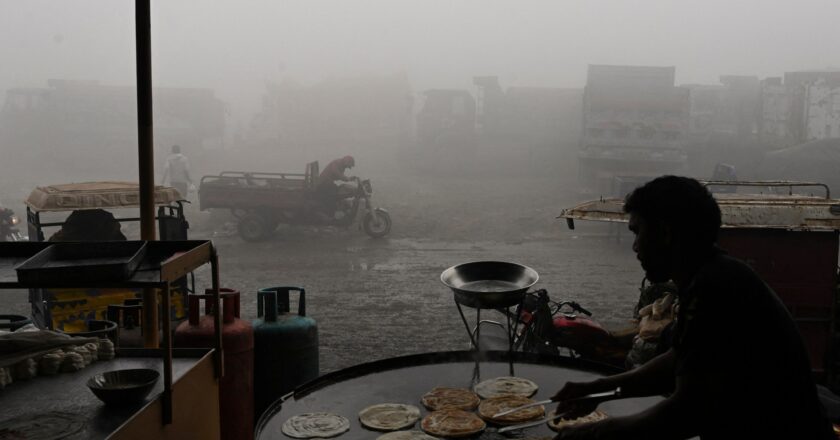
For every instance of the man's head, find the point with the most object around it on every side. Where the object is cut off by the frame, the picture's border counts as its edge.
(674, 218)
(349, 162)
(176, 149)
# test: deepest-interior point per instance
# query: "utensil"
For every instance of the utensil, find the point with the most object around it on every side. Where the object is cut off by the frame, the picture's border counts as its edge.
(519, 408)
(489, 284)
(123, 387)
(589, 398)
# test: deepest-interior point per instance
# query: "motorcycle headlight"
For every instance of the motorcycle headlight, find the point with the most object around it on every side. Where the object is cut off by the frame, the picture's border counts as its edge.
(15, 220)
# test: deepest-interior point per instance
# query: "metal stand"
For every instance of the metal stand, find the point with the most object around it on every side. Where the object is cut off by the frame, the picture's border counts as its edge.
(475, 332)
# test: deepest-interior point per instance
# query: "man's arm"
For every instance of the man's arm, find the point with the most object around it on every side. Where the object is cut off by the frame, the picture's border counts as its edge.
(672, 418)
(654, 377)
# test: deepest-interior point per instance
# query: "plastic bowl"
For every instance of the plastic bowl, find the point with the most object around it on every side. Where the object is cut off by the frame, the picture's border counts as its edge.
(123, 387)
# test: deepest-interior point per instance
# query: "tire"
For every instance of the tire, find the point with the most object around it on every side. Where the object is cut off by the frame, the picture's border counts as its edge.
(377, 223)
(253, 228)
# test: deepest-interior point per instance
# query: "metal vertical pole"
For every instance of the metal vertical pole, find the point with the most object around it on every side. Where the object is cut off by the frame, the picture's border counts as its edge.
(145, 150)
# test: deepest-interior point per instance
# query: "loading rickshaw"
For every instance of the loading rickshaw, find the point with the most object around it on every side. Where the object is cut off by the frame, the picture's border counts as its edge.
(61, 206)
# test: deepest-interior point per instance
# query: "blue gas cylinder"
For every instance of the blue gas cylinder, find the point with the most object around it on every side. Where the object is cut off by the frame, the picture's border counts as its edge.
(285, 346)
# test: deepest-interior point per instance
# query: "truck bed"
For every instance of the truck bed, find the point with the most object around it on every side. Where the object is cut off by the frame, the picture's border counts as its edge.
(255, 190)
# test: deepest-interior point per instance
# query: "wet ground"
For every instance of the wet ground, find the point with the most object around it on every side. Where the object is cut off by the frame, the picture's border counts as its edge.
(378, 298)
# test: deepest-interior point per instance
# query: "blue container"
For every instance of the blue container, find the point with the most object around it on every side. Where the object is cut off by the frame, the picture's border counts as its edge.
(285, 346)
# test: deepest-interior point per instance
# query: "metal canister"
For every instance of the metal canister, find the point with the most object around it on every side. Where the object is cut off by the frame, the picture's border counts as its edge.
(236, 388)
(285, 345)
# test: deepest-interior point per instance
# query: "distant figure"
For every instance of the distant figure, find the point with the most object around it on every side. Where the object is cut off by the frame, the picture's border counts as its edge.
(89, 225)
(177, 170)
(725, 173)
(327, 190)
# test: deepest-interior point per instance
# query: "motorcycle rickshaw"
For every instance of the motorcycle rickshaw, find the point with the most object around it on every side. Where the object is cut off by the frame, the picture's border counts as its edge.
(54, 207)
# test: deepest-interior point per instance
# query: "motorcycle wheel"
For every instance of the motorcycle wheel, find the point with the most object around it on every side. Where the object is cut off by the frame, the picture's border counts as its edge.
(253, 228)
(377, 223)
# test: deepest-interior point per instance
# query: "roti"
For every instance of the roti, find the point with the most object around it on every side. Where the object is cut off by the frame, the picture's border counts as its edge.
(406, 435)
(452, 423)
(506, 386)
(315, 425)
(389, 416)
(495, 405)
(559, 424)
(456, 398)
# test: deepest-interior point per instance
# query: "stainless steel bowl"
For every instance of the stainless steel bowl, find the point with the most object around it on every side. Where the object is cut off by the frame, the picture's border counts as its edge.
(489, 284)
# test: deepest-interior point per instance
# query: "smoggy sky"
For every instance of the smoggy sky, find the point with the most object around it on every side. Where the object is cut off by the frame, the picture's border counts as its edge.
(235, 47)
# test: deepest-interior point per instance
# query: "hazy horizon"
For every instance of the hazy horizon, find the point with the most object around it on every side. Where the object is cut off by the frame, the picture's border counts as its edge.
(237, 49)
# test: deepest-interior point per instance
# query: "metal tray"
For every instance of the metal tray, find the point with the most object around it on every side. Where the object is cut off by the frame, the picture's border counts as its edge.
(83, 262)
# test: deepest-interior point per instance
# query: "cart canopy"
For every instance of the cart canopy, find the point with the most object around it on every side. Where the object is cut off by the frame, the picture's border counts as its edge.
(776, 211)
(95, 195)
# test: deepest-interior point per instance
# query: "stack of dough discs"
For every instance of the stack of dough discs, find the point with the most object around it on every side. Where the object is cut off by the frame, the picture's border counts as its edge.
(558, 424)
(93, 349)
(389, 416)
(86, 355)
(72, 362)
(494, 405)
(106, 350)
(315, 425)
(25, 369)
(456, 398)
(506, 386)
(452, 423)
(50, 363)
(406, 435)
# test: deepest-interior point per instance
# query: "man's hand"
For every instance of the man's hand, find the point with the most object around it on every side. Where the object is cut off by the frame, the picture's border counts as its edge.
(574, 390)
(603, 430)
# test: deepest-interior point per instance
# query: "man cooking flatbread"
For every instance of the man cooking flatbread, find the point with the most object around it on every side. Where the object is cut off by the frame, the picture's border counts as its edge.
(748, 379)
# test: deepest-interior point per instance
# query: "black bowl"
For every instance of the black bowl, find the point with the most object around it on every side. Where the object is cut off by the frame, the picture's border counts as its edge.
(489, 284)
(123, 387)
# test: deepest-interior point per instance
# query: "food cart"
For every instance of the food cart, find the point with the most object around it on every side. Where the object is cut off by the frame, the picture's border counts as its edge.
(61, 404)
(48, 208)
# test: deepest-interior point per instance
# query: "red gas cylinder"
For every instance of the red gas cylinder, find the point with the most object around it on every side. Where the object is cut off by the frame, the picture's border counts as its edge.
(236, 388)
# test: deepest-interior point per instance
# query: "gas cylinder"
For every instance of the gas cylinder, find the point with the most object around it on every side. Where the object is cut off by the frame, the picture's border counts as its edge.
(285, 345)
(236, 388)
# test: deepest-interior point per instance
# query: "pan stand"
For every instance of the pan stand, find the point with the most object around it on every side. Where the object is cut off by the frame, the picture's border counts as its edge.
(475, 332)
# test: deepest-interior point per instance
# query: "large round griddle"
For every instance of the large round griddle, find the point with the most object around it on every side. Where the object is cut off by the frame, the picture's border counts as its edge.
(406, 379)
(489, 284)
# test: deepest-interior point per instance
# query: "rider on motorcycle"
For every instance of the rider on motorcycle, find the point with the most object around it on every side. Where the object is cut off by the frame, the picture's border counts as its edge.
(8, 221)
(326, 190)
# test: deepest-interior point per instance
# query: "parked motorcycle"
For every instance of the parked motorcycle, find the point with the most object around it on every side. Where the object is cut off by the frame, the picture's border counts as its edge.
(8, 226)
(548, 327)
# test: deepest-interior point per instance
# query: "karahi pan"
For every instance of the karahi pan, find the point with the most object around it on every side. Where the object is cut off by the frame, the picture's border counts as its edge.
(489, 284)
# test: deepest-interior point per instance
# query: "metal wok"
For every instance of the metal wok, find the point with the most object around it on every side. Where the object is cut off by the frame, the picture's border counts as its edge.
(489, 284)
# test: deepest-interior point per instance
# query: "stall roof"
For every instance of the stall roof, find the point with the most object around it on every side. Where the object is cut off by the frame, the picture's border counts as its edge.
(791, 211)
(95, 195)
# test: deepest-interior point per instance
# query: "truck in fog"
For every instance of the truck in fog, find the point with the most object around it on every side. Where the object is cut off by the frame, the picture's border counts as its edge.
(634, 127)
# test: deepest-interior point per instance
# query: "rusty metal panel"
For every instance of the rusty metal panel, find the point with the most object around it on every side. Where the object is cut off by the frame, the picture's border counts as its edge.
(801, 267)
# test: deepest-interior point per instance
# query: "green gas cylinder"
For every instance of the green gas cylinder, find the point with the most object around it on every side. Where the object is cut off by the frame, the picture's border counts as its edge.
(285, 346)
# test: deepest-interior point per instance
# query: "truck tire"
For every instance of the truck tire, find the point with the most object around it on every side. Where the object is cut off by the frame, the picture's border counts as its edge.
(253, 227)
(377, 223)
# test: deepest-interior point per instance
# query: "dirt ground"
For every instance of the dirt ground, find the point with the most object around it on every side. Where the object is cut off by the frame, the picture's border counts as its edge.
(378, 298)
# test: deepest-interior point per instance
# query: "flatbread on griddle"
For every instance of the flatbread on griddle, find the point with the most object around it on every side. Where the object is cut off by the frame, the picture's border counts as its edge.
(494, 405)
(315, 425)
(406, 435)
(452, 423)
(506, 386)
(559, 424)
(456, 398)
(389, 416)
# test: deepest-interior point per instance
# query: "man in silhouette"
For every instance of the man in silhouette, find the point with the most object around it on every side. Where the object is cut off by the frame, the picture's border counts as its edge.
(737, 368)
